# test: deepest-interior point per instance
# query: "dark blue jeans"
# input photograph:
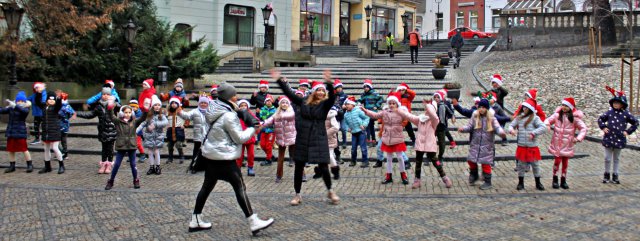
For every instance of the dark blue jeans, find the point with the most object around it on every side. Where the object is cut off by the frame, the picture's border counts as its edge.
(371, 130)
(359, 139)
(132, 161)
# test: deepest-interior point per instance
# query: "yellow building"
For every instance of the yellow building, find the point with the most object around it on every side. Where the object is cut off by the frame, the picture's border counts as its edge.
(343, 22)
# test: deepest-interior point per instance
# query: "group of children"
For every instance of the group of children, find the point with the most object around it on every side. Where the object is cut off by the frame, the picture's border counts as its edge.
(144, 126)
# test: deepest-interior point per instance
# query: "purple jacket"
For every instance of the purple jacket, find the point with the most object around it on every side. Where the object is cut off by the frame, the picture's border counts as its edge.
(481, 148)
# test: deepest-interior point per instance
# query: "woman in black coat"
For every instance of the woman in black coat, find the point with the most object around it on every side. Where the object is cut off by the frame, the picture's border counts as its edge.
(51, 134)
(311, 137)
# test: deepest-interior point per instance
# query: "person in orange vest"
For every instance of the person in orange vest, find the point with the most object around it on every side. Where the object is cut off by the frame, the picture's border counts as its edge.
(414, 42)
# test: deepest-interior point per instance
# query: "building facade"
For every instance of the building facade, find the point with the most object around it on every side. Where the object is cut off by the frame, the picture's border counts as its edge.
(343, 22)
(230, 24)
(436, 21)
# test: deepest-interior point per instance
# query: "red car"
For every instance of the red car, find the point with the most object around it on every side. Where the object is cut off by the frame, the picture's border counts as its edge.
(470, 33)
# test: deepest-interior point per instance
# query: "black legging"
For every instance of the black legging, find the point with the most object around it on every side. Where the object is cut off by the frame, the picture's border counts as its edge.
(431, 156)
(409, 129)
(226, 171)
(107, 151)
(299, 170)
(196, 148)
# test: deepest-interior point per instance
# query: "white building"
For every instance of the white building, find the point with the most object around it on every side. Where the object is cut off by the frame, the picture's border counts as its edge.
(492, 9)
(434, 22)
(230, 24)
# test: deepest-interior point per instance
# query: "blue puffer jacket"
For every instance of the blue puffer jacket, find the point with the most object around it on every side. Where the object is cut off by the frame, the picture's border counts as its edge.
(16, 127)
(36, 111)
(354, 119)
(65, 114)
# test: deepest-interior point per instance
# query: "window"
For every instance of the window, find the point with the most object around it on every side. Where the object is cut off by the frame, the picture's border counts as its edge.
(409, 22)
(185, 29)
(473, 20)
(321, 9)
(439, 21)
(460, 19)
(495, 23)
(383, 20)
(419, 22)
(238, 25)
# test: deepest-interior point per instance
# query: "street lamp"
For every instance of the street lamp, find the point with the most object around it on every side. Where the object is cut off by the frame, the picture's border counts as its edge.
(367, 10)
(405, 18)
(130, 31)
(13, 15)
(266, 14)
(437, 22)
(311, 19)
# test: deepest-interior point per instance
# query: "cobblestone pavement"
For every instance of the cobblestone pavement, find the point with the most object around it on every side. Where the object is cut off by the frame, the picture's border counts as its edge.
(74, 206)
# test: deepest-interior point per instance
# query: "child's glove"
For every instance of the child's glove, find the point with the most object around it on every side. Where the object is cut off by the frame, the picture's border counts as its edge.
(11, 103)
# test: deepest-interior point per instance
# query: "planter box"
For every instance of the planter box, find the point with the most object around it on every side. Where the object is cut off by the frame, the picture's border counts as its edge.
(439, 73)
(444, 61)
(453, 93)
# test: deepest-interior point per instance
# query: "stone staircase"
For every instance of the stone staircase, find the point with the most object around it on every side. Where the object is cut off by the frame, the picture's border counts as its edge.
(237, 66)
(624, 48)
(332, 51)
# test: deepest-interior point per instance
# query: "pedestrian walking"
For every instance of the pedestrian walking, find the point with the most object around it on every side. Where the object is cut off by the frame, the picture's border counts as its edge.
(415, 41)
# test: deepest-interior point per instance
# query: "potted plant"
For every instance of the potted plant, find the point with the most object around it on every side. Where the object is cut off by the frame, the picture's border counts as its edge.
(444, 59)
(453, 89)
(439, 72)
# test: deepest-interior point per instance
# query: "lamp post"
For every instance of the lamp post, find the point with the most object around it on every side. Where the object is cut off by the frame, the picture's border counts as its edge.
(130, 31)
(367, 10)
(311, 19)
(405, 18)
(13, 15)
(266, 14)
(437, 23)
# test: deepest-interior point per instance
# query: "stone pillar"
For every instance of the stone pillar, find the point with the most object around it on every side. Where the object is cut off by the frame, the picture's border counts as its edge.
(295, 25)
(335, 22)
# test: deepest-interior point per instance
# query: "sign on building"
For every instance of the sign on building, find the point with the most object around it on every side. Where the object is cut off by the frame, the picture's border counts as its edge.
(237, 11)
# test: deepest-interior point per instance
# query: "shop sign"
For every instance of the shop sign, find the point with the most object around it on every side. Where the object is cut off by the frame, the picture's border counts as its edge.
(237, 11)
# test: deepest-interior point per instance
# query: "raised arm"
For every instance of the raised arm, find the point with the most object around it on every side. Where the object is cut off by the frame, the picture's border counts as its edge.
(410, 117)
(328, 103)
(94, 99)
(411, 94)
(269, 121)
(371, 114)
(464, 112)
(87, 114)
(288, 93)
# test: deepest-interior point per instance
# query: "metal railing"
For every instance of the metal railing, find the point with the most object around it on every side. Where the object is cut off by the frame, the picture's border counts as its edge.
(564, 20)
(248, 40)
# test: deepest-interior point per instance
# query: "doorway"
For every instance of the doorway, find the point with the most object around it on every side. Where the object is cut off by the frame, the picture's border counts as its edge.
(345, 26)
(271, 32)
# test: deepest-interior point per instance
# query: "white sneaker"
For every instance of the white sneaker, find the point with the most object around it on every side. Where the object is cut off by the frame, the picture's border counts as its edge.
(197, 224)
(258, 224)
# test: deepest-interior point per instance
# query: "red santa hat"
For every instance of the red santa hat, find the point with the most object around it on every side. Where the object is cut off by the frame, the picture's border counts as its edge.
(402, 86)
(531, 104)
(110, 82)
(337, 83)
(243, 101)
(532, 93)
(369, 83)
(148, 83)
(283, 98)
(569, 102)
(37, 85)
(268, 97)
(300, 92)
(490, 95)
(263, 83)
(350, 101)
(317, 85)
(304, 82)
(496, 78)
(214, 87)
(394, 96)
(441, 93)
(175, 99)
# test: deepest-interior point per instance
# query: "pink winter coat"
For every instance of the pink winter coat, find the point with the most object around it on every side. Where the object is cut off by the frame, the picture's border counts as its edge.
(333, 127)
(284, 125)
(392, 133)
(564, 132)
(427, 123)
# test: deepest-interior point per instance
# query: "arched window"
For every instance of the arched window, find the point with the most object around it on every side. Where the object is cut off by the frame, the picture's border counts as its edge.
(238, 25)
(566, 6)
(185, 29)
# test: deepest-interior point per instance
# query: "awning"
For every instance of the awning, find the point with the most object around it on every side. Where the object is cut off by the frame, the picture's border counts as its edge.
(525, 5)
